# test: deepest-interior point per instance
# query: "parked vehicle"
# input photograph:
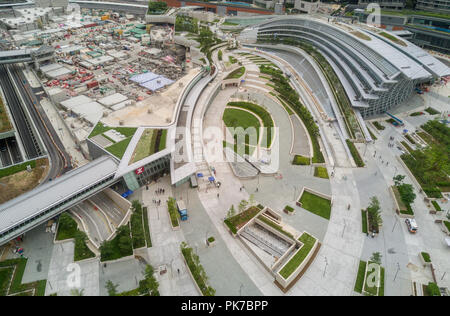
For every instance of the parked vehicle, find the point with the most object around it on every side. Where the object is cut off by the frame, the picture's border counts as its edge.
(412, 225)
(182, 210)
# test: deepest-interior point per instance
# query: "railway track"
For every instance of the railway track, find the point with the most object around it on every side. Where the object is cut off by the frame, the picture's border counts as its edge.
(59, 158)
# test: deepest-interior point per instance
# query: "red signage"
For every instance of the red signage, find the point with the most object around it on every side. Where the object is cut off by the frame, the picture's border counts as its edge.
(138, 171)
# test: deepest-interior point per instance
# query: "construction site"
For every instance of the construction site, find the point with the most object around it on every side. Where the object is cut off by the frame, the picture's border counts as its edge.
(110, 67)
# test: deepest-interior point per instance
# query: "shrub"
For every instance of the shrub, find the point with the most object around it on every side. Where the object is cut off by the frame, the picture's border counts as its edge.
(173, 211)
(379, 126)
(197, 270)
(432, 111)
(426, 256)
(356, 156)
(436, 206)
(432, 289)
(211, 239)
(289, 208)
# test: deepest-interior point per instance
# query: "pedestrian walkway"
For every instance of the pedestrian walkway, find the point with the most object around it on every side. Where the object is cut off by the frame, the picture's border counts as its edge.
(165, 253)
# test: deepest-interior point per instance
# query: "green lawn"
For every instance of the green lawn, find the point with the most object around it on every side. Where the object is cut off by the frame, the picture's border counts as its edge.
(355, 153)
(148, 143)
(238, 118)
(316, 204)
(393, 38)
(436, 206)
(321, 172)
(265, 117)
(300, 160)
(17, 168)
(100, 128)
(118, 149)
(360, 277)
(426, 256)
(236, 74)
(308, 243)
(6, 270)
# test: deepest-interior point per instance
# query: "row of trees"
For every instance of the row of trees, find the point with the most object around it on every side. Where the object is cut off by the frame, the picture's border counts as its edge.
(287, 93)
(147, 287)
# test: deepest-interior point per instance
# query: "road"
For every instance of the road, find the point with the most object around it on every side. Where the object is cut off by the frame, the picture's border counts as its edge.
(9, 152)
(23, 125)
(59, 158)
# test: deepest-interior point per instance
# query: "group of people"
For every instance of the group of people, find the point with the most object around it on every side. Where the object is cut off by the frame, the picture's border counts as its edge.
(157, 202)
(160, 191)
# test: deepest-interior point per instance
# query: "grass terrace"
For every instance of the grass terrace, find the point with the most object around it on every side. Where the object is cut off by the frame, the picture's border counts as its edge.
(156, 8)
(236, 74)
(151, 142)
(404, 208)
(291, 98)
(297, 259)
(416, 12)
(232, 59)
(316, 204)
(361, 35)
(393, 39)
(431, 166)
(236, 222)
(5, 123)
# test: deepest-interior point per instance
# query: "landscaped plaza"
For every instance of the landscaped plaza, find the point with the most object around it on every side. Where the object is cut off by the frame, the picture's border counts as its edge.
(274, 163)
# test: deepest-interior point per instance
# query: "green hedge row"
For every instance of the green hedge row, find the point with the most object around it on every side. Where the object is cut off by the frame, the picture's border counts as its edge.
(356, 156)
(291, 97)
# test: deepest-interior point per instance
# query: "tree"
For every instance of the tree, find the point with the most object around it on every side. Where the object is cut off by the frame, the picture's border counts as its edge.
(219, 55)
(376, 257)
(251, 200)
(149, 284)
(112, 288)
(77, 292)
(243, 206)
(406, 193)
(374, 213)
(398, 179)
(231, 211)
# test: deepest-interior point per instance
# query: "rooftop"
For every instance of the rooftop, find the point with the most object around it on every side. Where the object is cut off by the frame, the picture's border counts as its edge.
(44, 196)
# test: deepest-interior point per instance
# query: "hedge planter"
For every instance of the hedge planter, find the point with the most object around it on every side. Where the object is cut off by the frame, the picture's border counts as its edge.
(425, 259)
(289, 210)
(446, 227)
(211, 241)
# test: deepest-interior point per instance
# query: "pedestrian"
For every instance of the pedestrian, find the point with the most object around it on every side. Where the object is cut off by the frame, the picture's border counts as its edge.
(217, 195)
(257, 189)
(178, 271)
(387, 163)
(240, 189)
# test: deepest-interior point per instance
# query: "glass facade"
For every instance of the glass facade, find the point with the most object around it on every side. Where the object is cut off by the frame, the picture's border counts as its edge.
(376, 82)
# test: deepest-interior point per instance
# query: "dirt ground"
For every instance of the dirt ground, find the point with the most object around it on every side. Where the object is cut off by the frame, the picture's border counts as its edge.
(21, 182)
